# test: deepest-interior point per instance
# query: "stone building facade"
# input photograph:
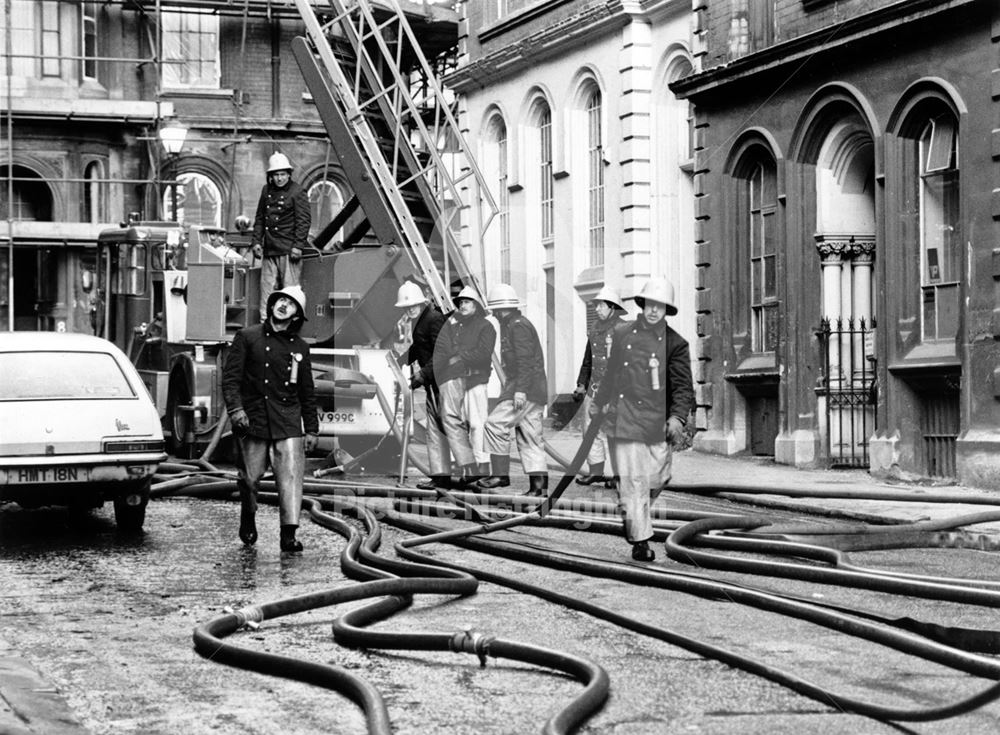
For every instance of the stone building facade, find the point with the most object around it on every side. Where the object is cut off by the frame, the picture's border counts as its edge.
(567, 108)
(846, 172)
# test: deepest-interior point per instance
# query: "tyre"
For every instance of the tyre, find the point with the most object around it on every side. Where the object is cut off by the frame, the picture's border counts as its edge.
(180, 420)
(130, 510)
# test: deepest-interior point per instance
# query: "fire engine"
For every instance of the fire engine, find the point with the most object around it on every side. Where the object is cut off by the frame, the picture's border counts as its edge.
(173, 296)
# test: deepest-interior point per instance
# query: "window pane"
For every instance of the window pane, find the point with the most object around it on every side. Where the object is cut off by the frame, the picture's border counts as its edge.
(23, 27)
(770, 328)
(190, 50)
(50, 39)
(325, 202)
(545, 163)
(32, 376)
(596, 179)
(199, 201)
(940, 145)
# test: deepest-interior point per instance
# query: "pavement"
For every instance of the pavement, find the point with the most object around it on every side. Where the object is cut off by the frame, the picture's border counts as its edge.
(851, 494)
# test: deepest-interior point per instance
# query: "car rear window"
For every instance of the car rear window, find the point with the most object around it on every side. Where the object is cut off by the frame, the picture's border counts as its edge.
(39, 376)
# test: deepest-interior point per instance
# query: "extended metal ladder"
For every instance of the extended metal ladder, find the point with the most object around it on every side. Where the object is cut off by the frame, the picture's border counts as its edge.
(388, 135)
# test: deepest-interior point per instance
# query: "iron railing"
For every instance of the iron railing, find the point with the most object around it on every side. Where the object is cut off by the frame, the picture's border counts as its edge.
(847, 389)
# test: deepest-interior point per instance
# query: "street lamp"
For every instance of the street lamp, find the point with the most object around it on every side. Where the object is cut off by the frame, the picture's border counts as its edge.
(172, 137)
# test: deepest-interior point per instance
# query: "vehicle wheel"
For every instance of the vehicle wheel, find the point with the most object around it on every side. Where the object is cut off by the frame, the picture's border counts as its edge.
(179, 419)
(130, 510)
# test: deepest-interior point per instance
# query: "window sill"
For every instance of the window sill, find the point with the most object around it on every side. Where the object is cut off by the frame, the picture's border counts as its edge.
(196, 93)
(757, 375)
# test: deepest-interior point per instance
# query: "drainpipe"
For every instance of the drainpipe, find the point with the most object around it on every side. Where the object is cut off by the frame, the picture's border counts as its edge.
(275, 68)
(9, 55)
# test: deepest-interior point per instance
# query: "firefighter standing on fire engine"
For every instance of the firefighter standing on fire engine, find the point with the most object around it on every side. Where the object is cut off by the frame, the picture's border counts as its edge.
(648, 395)
(280, 229)
(608, 309)
(268, 387)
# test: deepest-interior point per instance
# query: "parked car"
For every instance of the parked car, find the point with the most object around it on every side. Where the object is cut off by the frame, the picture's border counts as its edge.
(77, 426)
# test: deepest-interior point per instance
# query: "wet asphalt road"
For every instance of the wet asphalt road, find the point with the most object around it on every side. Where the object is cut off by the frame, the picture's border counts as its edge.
(107, 621)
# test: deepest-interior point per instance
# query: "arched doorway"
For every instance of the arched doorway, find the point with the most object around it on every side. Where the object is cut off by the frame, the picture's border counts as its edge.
(36, 270)
(846, 246)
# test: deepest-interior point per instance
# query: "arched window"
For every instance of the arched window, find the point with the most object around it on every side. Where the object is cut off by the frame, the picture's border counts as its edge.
(757, 243)
(94, 193)
(32, 198)
(199, 201)
(325, 202)
(940, 231)
(546, 178)
(595, 177)
(496, 138)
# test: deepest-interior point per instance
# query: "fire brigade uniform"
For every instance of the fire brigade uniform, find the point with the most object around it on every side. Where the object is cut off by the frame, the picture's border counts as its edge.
(592, 369)
(268, 375)
(424, 335)
(281, 228)
(648, 380)
(462, 366)
(522, 399)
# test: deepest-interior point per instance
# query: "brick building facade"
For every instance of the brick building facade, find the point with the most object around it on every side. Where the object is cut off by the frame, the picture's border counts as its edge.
(845, 173)
(91, 85)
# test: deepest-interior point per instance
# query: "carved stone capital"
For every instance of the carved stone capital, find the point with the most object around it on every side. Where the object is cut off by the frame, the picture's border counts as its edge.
(833, 251)
(863, 251)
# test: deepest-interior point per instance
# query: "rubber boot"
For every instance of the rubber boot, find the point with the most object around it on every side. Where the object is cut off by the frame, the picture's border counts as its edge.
(538, 484)
(642, 552)
(500, 473)
(248, 512)
(470, 476)
(434, 482)
(596, 475)
(248, 526)
(288, 540)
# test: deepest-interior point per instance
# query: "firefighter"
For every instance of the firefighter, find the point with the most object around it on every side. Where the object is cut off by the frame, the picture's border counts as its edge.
(645, 399)
(280, 229)
(462, 366)
(608, 309)
(521, 401)
(267, 384)
(422, 323)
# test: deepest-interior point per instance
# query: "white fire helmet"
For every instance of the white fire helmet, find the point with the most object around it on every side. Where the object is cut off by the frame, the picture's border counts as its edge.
(278, 162)
(295, 293)
(468, 292)
(660, 290)
(410, 294)
(502, 296)
(609, 295)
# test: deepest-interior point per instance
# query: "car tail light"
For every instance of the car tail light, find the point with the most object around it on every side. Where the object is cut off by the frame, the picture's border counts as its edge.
(135, 445)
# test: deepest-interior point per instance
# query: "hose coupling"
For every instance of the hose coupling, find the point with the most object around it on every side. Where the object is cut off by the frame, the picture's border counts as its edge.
(471, 641)
(247, 617)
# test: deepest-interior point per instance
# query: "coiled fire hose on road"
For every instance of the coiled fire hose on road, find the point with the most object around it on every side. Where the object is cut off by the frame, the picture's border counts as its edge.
(713, 589)
(396, 594)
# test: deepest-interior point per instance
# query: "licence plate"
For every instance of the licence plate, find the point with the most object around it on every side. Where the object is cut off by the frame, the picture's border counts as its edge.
(47, 475)
(344, 416)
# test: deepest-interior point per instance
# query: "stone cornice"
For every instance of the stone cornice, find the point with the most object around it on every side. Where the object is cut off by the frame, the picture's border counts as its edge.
(798, 50)
(594, 20)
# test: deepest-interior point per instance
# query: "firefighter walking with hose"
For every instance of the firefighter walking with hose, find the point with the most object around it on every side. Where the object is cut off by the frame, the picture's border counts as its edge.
(645, 401)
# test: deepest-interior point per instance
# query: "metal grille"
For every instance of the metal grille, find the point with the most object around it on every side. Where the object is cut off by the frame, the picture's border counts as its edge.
(940, 430)
(847, 388)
